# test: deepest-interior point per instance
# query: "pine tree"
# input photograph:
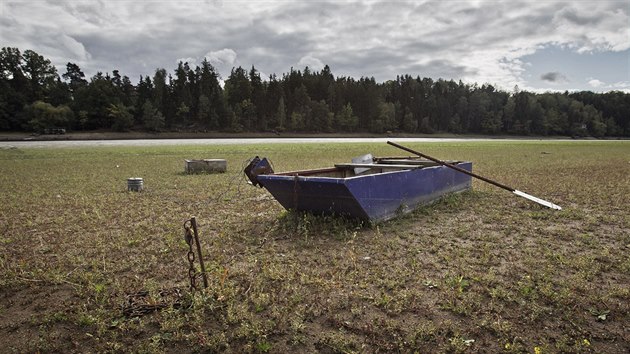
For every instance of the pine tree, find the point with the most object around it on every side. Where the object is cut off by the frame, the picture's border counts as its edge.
(281, 115)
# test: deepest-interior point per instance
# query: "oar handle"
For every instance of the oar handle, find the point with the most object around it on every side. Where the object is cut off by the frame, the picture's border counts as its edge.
(452, 166)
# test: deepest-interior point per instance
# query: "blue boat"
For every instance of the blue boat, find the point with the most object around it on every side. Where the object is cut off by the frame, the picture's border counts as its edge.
(372, 189)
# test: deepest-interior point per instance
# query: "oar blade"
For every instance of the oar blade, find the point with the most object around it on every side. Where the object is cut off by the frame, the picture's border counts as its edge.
(537, 200)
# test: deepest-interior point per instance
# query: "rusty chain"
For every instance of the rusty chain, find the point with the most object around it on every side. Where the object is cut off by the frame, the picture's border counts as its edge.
(192, 273)
(141, 303)
(190, 235)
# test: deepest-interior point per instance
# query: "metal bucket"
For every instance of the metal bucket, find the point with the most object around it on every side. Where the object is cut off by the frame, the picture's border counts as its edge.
(135, 184)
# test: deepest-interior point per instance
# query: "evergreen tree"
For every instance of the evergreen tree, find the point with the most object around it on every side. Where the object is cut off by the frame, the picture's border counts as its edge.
(297, 121)
(409, 124)
(183, 114)
(144, 93)
(122, 120)
(281, 116)
(346, 120)
(161, 97)
(206, 115)
(321, 119)
(182, 93)
(128, 92)
(152, 118)
(302, 106)
(208, 82)
(237, 87)
(95, 100)
(75, 77)
(386, 119)
(258, 99)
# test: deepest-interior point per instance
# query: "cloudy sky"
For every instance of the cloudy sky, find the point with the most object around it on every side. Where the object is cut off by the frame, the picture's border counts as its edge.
(538, 45)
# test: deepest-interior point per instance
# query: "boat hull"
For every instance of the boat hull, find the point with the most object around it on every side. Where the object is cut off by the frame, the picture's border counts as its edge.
(373, 197)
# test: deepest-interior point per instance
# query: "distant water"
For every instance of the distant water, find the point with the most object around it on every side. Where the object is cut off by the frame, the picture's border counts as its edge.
(171, 142)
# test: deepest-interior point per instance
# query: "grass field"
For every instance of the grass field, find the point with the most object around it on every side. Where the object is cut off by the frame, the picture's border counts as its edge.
(482, 271)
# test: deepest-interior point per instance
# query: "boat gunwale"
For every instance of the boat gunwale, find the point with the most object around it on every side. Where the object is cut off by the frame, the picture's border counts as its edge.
(308, 174)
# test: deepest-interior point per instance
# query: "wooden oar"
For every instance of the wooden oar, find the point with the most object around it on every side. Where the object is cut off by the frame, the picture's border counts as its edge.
(517, 192)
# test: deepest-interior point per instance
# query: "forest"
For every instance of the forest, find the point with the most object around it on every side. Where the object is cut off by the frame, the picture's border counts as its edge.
(34, 97)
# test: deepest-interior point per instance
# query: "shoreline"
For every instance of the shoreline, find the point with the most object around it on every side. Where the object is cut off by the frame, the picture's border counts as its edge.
(96, 135)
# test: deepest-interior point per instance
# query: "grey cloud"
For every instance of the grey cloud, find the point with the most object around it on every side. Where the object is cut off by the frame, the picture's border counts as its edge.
(462, 28)
(94, 12)
(444, 69)
(7, 21)
(449, 39)
(222, 57)
(424, 46)
(269, 51)
(554, 77)
(499, 24)
(570, 14)
(377, 63)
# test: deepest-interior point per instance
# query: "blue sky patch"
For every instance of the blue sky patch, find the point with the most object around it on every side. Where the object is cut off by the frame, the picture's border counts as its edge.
(556, 68)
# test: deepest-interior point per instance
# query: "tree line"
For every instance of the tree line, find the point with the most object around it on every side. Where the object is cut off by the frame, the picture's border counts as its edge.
(34, 97)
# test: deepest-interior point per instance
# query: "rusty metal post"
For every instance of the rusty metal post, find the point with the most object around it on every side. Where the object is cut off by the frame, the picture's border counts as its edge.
(193, 223)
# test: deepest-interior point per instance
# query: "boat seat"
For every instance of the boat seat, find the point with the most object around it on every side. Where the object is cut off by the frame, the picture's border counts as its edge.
(415, 162)
(377, 165)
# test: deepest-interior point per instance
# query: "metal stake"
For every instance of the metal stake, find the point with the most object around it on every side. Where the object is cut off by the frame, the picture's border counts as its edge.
(193, 222)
